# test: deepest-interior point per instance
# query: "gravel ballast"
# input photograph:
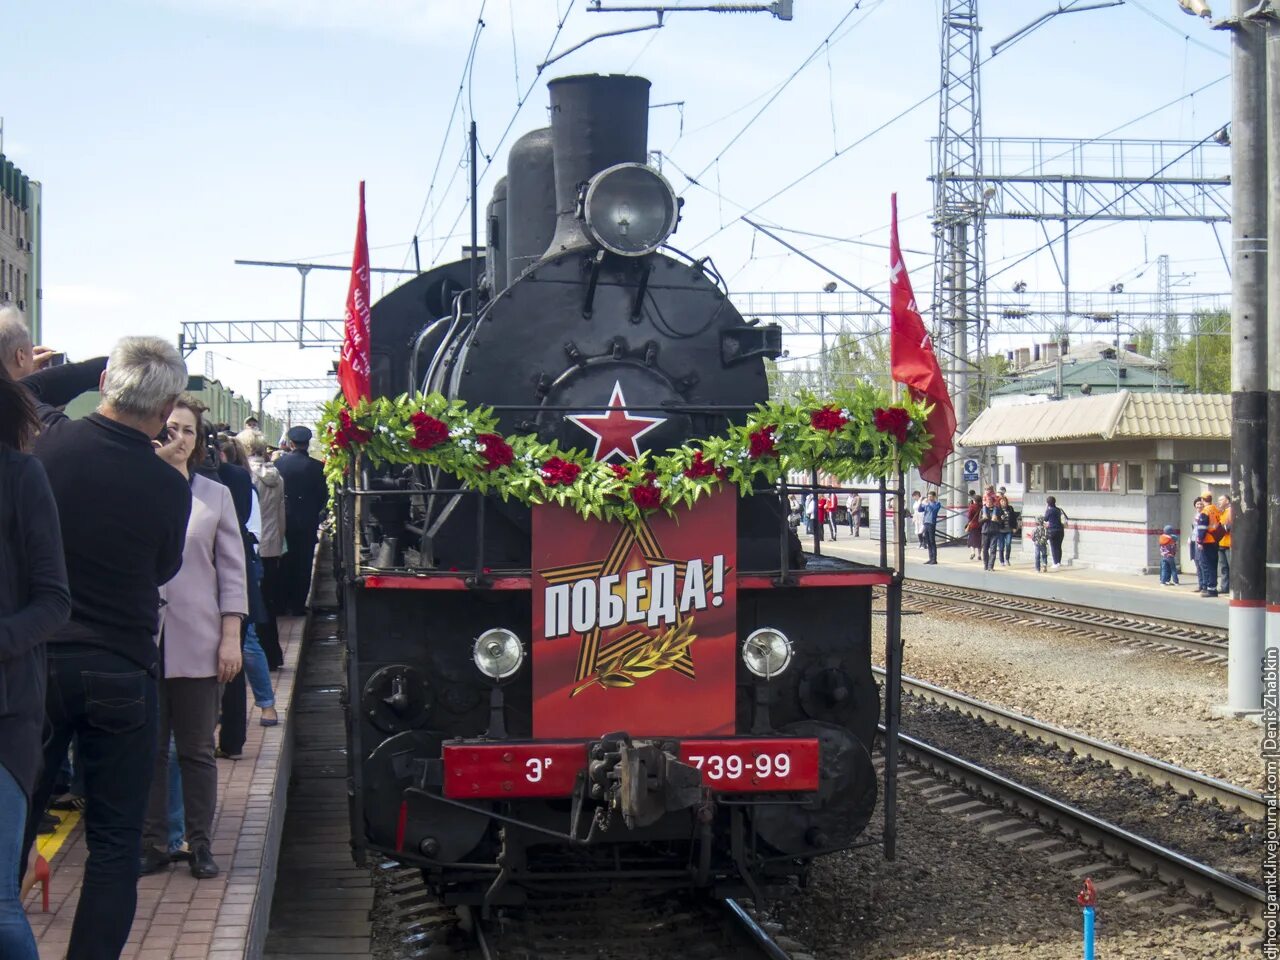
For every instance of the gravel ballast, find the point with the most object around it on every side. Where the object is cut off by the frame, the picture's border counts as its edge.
(1137, 698)
(955, 892)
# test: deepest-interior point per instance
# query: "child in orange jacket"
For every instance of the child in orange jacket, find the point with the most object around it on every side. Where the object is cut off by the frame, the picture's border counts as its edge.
(1168, 556)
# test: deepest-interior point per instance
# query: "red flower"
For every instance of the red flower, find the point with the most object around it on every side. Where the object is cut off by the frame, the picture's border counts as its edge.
(619, 471)
(894, 420)
(702, 468)
(559, 472)
(428, 432)
(348, 433)
(828, 419)
(762, 443)
(646, 496)
(496, 451)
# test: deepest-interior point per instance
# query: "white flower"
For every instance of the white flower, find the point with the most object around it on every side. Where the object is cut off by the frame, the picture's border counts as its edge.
(844, 412)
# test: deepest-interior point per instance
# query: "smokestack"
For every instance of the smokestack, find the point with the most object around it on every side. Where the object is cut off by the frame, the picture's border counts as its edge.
(596, 123)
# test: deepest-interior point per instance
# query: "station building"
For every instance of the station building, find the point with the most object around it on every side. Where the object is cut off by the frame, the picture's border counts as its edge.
(1052, 371)
(1122, 466)
(20, 206)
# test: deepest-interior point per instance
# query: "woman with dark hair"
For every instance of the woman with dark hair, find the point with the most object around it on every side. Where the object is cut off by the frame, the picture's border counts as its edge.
(199, 648)
(34, 599)
(973, 526)
(1055, 521)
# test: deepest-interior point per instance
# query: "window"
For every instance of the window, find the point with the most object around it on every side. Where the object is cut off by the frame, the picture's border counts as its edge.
(1166, 478)
(1136, 477)
(1107, 478)
(1037, 476)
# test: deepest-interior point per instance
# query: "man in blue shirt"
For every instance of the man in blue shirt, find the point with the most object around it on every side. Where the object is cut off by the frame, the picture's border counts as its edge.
(929, 513)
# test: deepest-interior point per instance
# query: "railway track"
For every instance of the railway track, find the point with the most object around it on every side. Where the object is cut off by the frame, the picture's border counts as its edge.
(620, 924)
(1187, 782)
(1227, 892)
(1204, 644)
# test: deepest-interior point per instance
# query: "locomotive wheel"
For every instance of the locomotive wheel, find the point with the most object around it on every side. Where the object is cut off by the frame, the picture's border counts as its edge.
(840, 809)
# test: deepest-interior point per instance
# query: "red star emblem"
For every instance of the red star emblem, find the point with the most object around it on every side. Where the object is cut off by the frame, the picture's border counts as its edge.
(616, 431)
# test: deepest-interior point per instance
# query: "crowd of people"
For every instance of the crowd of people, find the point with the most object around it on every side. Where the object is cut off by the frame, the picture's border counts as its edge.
(992, 523)
(144, 562)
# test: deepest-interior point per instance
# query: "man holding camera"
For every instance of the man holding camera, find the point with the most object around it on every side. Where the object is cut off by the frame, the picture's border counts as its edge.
(123, 513)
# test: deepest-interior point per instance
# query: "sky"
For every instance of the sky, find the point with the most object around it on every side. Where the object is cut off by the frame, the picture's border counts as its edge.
(173, 137)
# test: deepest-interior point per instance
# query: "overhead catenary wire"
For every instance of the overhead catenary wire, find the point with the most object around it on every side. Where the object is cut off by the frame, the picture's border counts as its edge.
(1103, 209)
(488, 156)
(453, 114)
(811, 58)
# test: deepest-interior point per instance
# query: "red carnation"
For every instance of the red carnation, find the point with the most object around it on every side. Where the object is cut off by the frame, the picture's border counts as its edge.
(828, 418)
(428, 432)
(894, 420)
(619, 471)
(762, 443)
(496, 451)
(348, 432)
(646, 496)
(559, 472)
(701, 467)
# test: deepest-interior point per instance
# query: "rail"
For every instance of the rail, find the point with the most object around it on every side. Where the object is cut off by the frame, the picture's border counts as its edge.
(1208, 643)
(1186, 782)
(1227, 892)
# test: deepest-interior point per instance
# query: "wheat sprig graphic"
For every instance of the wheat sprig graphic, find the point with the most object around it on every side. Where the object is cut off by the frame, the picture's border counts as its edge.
(660, 653)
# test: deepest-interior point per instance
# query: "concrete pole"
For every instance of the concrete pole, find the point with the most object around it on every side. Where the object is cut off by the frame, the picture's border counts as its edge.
(1273, 336)
(1247, 616)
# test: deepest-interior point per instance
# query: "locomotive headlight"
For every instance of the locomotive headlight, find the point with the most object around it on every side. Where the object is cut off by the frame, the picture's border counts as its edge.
(498, 653)
(767, 653)
(630, 209)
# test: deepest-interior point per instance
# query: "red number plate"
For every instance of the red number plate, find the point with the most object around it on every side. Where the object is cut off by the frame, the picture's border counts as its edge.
(754, 766)
(512, 770)
(509, 770)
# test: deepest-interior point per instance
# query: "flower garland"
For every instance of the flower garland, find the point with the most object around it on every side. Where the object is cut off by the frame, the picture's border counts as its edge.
(855, 434)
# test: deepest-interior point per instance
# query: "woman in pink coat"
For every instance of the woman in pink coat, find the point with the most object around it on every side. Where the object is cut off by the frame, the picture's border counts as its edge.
(202, 607)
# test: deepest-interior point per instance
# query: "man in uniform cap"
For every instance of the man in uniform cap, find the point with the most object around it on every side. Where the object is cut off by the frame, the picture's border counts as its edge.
(305, 497)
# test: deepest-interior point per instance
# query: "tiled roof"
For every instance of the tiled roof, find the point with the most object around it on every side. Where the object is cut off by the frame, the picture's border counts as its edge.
(1179, 416)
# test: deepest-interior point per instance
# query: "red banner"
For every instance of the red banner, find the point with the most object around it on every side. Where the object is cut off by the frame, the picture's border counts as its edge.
(353, 368)
(912, 358)
(635, 626)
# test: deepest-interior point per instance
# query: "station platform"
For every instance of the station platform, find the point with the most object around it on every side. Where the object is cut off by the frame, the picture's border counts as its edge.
(179, 917)
(1125, 593)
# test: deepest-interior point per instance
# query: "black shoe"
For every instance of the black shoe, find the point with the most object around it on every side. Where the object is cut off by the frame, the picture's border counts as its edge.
(203, 866)
(153, 861)
(224, 755)
(48, 824)
(1209, 593)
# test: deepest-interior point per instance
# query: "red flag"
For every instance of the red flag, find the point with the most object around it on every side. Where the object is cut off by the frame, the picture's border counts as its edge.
(353, 369)
(913, 361)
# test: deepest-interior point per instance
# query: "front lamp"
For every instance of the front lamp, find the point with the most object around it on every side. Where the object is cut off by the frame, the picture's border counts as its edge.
(498, 653)
(766, 653)
(630, 209)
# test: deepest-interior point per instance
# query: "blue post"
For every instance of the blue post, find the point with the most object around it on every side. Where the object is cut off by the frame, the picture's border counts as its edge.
(1088, 900)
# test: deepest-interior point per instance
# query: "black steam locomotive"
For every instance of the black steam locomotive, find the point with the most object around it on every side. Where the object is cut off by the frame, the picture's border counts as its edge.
(587, 327)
